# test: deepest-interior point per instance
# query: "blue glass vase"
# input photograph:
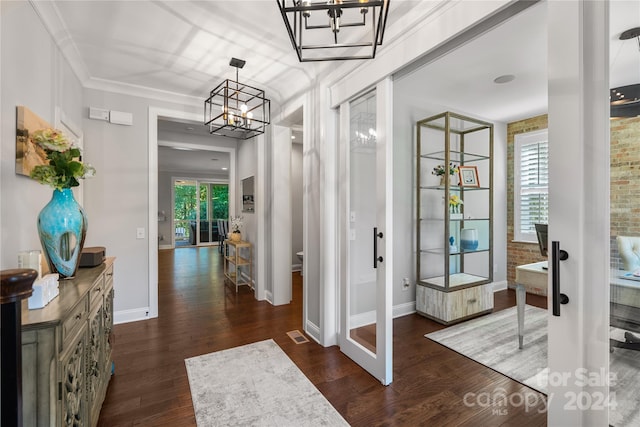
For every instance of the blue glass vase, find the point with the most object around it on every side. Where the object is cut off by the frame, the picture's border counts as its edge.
(62, 226)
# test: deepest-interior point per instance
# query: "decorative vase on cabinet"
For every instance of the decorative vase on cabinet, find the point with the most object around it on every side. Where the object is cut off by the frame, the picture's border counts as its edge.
(454, 282)
(62, 227)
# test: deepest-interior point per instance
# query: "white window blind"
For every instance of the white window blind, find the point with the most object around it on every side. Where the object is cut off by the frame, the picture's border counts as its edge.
(531, 184)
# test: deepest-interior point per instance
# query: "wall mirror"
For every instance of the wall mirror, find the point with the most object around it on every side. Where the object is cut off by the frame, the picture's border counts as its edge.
(247, 195)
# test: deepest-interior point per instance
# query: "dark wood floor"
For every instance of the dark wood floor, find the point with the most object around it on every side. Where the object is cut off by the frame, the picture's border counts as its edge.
(199, 314)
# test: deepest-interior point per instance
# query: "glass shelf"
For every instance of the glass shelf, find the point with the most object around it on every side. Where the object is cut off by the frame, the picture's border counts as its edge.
(456, 280)
(452, 188)
(455, 220)
(441, 251)
(456, 156)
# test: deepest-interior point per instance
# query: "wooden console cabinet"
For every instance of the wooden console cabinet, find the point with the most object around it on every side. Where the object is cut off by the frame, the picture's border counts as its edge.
(66, 351)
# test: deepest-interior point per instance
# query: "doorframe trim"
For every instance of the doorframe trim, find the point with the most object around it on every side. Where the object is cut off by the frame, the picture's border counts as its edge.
(154, 114)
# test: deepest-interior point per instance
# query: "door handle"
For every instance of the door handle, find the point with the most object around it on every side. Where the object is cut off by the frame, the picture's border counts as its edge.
(376, 258)
(557, 255)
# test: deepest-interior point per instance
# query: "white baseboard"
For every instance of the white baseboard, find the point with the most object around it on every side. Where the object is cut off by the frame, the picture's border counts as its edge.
(369, 317)
(134, 315)
(404, 309)
(268, 296)
(296, 267)
(161, 247)
(500, 286)
(313, 331)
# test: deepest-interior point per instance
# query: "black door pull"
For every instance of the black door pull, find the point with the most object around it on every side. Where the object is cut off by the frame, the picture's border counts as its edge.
(558, 298)
(376, 258)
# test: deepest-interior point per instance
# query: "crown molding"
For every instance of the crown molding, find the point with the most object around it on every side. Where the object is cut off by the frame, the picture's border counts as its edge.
(49, 14)
(142, 92)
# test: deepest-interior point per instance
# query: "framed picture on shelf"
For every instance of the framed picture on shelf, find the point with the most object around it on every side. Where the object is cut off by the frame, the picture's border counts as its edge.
(469, 176)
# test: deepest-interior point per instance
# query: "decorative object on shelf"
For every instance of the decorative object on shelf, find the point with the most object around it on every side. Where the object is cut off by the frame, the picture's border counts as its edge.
(360, 25)
(236, 225)
(235, 109)
(469, 239)
(62, 223)
(441, 171)
(455, 207)
(452, 245)
(469, 176)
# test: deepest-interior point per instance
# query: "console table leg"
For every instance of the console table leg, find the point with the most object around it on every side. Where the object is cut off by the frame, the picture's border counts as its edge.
(521, 299)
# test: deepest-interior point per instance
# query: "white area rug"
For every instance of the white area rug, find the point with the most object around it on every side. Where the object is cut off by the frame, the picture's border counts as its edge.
(255, 385)
(492, 340)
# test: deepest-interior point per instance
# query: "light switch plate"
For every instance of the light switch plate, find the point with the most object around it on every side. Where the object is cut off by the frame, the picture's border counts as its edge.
(140, 233)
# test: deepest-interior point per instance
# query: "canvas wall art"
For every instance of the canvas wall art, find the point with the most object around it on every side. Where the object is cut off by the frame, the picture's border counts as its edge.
(28, 154)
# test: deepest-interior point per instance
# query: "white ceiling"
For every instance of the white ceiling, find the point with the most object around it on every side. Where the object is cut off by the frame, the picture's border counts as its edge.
(183, 48)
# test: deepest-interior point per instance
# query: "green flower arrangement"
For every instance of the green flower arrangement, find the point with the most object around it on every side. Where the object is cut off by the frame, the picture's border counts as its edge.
(65, 167)
(442, 170)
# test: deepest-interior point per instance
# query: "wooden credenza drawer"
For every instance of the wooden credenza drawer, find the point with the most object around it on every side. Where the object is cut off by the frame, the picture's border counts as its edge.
(74, 321)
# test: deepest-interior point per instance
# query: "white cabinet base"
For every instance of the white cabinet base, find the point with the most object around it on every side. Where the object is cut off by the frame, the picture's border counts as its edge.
(452, 307)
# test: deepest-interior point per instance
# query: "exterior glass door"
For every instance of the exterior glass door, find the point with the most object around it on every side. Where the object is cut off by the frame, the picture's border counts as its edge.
(185, 208)
(366, 318)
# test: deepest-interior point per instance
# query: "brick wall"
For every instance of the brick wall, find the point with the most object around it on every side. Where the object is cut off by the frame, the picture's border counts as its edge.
(625, 182)
(625, 189)
(519, 253)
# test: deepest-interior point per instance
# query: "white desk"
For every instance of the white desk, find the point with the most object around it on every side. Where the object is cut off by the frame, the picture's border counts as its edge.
(532, 276)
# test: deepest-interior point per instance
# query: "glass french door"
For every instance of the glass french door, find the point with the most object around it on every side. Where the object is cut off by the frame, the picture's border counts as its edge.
(198, 205)
(185, 209)
(366, 238)
(213, 206)
(594, 317)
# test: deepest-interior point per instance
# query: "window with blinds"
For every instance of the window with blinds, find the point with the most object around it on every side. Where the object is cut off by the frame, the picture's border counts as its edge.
(531, 184)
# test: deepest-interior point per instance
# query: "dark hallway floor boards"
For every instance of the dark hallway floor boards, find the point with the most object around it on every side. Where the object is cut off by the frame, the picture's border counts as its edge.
(199, 314)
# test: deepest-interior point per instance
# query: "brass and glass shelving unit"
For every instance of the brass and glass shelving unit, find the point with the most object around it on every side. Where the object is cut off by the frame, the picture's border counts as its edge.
(454, 244)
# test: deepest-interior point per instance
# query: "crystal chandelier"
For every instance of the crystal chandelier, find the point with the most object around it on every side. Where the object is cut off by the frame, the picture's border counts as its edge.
(235, 109)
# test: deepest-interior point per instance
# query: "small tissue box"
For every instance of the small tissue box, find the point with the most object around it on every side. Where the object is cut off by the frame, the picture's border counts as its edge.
(44, 290)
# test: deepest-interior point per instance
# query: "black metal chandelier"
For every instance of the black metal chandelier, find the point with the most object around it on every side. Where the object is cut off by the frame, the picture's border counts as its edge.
(235, 109)
(335, 29)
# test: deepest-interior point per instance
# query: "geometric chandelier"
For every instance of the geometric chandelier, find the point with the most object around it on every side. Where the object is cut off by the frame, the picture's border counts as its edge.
(235, 109)
(334, 29)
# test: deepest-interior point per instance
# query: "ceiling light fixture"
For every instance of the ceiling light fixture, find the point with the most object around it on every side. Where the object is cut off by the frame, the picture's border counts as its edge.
(235, 109)
(625, 100)
(633, 33)
(506, 78)
(355, 28)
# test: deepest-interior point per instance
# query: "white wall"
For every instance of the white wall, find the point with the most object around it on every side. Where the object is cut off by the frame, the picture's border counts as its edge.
(34, 74)
(296, 203)
(117, 198)
(247, 167)
(408, 110)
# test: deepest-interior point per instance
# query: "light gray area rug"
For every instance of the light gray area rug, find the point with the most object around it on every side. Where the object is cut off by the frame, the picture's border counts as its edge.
(492, 340)
(255, 385)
